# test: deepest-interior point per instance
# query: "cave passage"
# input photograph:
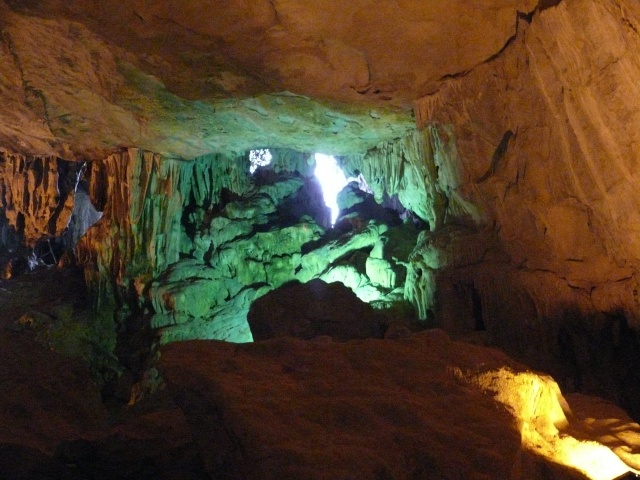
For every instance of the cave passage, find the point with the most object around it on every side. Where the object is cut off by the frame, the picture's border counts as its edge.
(327, 171)
(332, 180)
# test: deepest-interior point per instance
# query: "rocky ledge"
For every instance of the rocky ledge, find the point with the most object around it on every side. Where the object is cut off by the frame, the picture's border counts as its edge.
(419, 406)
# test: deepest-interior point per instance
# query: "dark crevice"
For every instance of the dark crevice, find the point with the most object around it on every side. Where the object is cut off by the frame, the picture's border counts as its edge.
(498, 155)
(451, 76)
(544, 4)
(476, 301)
(275, 11)
(628, 23)
(526, 17)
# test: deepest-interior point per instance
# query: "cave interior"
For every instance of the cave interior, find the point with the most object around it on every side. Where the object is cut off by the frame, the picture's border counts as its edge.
(280, 240)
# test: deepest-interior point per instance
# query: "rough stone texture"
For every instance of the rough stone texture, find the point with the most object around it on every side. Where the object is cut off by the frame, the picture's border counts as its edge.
(50, 306)
(547, 150)
(246, 245)
(284, 45)
(409, 168)
(194, 243)
(53, 425)
(313, 309)
(81, 86)
(524, 167)
(45, 397)
(37, 195)
(422, 407)
(142, 197)
(80, 79)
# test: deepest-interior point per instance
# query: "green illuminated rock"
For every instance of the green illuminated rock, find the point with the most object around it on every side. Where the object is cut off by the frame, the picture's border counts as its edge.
(195, 243)
(247, 250)
(416, 168)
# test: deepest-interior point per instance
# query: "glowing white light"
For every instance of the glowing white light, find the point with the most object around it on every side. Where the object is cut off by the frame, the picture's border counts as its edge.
(259, 158)
(332, 180)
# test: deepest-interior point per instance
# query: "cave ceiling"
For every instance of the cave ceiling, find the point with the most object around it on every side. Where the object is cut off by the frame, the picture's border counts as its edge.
(81, 78)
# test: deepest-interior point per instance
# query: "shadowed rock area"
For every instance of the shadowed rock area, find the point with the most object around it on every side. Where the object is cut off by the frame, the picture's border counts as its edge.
(314, 309)
(160, 195)
(417, 408)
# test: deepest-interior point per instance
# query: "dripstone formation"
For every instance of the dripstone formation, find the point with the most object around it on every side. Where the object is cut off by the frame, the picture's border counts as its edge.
(198, 317)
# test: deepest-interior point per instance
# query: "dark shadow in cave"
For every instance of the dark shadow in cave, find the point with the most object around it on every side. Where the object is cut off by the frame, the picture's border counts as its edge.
(476, 311)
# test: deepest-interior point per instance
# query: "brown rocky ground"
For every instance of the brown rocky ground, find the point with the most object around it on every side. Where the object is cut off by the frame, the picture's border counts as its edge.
(418, 406)
(53, 421)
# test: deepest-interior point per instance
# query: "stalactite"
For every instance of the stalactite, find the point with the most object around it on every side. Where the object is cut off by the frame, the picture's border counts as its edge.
(411, 168)
(292, 161)
(422, 169)
(144, 197)
(37, 194)
(425, 107)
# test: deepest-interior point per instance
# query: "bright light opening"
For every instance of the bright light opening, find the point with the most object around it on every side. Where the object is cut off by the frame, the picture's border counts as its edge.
(259, 158)
(332, 180)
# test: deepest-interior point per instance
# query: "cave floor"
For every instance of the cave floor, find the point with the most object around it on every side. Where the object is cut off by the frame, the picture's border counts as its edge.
(41, 290)
(55, 423)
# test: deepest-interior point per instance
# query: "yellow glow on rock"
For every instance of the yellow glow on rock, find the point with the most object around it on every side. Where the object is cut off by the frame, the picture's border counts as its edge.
(539, 407)
(592, 458)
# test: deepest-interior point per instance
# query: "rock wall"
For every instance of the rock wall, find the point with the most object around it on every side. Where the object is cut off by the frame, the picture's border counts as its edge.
(37, 194)
(143, 197)
(419, 407)
(548, 150)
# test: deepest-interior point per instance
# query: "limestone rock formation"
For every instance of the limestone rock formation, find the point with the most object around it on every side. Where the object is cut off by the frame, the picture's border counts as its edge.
(238, 250)
(421, 407)
(501, 141)
(560, 155)
(142, 198)
(142, 74)
(127, 97)
(37, 194)
(545, 151)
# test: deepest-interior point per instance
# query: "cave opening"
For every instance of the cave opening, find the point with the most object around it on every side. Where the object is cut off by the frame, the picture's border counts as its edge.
(260, 157)
(327, 171)
(332, 180)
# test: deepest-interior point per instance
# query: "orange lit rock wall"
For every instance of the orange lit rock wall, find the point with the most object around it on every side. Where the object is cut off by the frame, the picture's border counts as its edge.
(37, 194)
(549, 146)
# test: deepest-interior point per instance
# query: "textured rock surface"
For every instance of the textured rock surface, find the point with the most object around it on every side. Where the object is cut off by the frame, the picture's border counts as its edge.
(37, 195)
(50, 307)
(53, 424)
(54, 402)
(555, 169)
(194, 243)
(547, 150)
(142, 198)
(239, 250)
(524, 169)
(80, 78)
(422, 407)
